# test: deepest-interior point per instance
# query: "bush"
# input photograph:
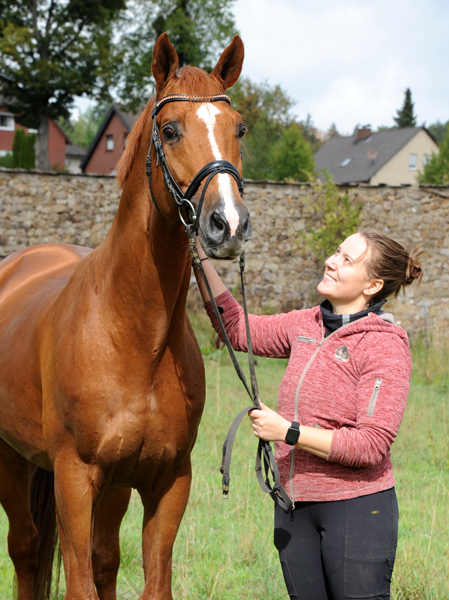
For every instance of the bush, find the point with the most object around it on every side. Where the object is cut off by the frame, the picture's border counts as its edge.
(23, 150)
(6, 161)
(436, 171)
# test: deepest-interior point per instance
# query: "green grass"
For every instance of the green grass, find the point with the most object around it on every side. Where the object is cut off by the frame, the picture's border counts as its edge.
(224, 548)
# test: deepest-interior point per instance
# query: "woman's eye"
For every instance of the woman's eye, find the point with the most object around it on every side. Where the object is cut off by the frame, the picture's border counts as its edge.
(242, 130)
(169, 133)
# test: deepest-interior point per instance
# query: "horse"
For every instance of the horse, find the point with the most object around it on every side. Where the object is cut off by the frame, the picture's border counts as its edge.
(102, 382)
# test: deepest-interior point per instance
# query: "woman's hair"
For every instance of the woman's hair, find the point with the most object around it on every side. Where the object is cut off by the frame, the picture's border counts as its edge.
(388, 260)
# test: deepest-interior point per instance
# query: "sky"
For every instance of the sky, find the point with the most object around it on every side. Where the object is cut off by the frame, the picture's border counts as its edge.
(350, 62)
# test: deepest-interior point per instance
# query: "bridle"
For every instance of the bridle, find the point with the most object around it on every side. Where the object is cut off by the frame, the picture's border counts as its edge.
(183, 201)
(266, 466)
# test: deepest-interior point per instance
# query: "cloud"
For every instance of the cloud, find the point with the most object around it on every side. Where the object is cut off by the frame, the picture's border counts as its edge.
(350, 61)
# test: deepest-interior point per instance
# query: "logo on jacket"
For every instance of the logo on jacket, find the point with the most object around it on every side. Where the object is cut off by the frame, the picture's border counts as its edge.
(342, 353)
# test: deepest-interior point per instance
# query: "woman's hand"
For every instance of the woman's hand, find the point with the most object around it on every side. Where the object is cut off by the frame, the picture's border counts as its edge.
(268, 425)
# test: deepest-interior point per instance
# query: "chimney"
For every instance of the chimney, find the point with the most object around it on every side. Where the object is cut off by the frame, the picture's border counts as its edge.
(363, 133)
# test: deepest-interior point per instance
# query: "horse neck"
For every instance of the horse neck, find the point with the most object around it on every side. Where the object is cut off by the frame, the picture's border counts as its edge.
(146, 256)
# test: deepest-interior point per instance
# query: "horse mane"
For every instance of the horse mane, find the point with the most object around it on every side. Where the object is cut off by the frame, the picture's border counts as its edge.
(189, 80)
(132, 144)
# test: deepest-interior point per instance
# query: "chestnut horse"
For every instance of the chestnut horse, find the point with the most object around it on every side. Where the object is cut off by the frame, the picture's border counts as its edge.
(101, 378)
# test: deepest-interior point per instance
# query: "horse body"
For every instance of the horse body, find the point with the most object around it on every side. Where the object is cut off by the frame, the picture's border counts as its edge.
(103, 378)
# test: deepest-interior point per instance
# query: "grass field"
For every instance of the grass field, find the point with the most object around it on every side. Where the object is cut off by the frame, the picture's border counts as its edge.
(224, 549)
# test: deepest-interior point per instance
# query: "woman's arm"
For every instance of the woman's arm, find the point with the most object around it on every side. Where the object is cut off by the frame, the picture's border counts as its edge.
(268, 425)
(216, 285)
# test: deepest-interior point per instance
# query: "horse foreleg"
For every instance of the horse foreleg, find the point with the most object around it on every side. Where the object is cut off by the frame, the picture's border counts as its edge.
(106, 545)
(77, 488)
(162, 515)
(22, 536)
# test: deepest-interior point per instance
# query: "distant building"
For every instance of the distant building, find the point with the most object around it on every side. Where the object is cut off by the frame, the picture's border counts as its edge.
(57, 139)
(109, 143)
(391, 157)
(74, 155)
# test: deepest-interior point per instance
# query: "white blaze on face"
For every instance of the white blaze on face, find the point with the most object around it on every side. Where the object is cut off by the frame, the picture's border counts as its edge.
(207, 113)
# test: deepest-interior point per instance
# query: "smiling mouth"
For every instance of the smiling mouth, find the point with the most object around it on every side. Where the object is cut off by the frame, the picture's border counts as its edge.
(329, 276)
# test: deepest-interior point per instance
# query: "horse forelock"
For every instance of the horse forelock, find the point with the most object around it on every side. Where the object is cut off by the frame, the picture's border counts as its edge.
(193, 82)
(189, 80)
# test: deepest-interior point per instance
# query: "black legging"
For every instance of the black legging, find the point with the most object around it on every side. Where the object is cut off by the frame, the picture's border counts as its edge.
(339, 550)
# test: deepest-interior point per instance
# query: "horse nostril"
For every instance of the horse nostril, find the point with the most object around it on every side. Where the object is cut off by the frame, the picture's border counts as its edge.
(247, 229)
(218, 221)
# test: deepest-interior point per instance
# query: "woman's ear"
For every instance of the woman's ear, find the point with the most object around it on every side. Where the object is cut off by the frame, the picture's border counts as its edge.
(373, 287)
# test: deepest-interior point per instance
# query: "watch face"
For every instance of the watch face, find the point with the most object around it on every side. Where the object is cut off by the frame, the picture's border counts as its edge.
(292, 436)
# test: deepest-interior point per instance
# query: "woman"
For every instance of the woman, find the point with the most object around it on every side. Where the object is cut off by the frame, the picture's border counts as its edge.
(340, 405)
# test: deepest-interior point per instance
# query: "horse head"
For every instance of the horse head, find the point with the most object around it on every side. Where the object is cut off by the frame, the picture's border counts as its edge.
(201, 130)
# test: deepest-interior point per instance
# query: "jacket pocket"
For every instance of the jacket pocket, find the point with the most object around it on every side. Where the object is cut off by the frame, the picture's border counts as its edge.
(304, 338)
(372, 402)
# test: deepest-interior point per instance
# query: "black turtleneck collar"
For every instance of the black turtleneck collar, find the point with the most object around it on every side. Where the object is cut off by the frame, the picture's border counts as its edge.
(332, 322)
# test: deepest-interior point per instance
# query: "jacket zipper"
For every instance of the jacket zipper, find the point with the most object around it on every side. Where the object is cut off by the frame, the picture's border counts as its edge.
(372, 402)
(308, 340)
(312, 358)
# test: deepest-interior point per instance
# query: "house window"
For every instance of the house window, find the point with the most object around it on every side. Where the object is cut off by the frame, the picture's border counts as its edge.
(425, 159)
(109, 142)
(412, 162)
(7, 122)
(4, 153)
(346, 162)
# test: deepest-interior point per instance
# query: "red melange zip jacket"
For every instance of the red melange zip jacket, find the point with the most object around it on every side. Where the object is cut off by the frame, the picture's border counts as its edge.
(355, 382)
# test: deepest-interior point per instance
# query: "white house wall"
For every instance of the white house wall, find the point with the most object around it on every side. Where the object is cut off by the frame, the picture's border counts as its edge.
(396, 171)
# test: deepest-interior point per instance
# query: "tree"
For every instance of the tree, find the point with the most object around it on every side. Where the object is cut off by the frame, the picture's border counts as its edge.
(438, 130)
(333, 132)
(199, 30)
(265, 110)
(436, 171)
(292, 157)
(309, 133)
(405, 116)
(83, 129)
(51, 51)
(338, 215)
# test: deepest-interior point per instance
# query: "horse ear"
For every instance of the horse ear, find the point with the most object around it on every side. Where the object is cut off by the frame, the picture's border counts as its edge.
(165, 62)
(229, 67)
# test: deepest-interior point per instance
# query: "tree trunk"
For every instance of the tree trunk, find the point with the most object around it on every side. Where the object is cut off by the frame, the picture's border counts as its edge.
(42, 157)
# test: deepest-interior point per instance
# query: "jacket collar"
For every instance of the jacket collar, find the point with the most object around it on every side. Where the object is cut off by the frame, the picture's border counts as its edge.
(332, 322)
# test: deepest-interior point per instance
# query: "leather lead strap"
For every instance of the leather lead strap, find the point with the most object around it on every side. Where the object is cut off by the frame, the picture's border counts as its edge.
(266, 466)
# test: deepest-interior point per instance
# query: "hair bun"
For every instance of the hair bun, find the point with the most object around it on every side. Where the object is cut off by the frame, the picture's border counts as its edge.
(414, 269)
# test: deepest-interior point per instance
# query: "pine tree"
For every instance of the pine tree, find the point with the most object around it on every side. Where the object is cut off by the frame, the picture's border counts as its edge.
(406, 117)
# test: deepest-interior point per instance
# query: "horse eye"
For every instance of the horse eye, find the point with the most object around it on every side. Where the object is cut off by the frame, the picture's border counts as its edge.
(169, 133)
(242, 130)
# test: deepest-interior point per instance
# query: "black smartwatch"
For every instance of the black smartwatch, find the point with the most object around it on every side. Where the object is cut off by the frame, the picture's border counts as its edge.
(292, 435)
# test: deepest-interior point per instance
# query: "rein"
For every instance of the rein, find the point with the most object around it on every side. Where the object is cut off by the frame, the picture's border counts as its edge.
(266, 466)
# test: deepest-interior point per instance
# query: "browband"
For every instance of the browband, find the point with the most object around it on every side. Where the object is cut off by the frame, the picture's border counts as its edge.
(187, 98)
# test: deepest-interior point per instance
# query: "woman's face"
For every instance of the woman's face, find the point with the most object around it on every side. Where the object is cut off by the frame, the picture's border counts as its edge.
(345, 282)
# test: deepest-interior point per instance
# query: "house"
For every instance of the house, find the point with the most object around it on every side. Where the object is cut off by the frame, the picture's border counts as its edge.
(74, 154)
(57, 139)
(390, 157)
(109, 143)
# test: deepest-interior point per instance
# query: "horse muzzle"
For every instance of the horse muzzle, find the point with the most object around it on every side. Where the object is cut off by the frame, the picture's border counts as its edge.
(221, 238)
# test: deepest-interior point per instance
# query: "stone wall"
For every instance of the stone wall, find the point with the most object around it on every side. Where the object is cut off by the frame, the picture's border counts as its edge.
(281, 272)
